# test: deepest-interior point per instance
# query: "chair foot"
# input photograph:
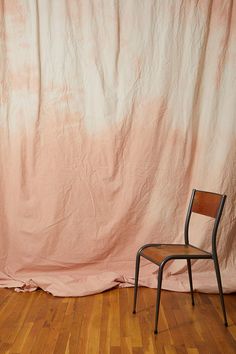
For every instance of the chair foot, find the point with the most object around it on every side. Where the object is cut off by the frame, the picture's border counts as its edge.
(193, 303)
(155, 332)
(226, 324)
(134, 312)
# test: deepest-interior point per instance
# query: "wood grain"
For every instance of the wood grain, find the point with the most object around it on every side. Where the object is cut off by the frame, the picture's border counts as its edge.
(104, 324)
(206, 203)
(157, 254)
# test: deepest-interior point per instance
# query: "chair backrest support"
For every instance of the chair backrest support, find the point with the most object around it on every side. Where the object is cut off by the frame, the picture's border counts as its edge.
(208, 204)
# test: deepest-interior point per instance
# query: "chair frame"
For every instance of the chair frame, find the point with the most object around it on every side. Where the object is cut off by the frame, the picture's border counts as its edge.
(208, 255)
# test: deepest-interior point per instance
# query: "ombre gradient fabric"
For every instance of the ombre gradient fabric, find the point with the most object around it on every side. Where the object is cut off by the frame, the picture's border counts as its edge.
(111, 112)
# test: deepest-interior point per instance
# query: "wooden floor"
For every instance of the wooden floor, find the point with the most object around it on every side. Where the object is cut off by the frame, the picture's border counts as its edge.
(40, 323)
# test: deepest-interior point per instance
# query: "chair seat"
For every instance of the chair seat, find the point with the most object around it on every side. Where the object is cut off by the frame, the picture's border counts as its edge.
(157, 253)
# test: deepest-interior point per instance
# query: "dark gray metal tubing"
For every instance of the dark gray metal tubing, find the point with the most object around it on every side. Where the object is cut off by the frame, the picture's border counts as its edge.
(186, 226)
(217, 220)
(190, 279)
(158, 296)
(218, 277)
(149, 245)
(215, 258)
(136, 281)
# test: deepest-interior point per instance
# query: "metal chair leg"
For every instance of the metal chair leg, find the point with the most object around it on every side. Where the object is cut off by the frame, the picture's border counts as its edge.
(190, 279)
(136, 281)
(218, 277)
(158, 297)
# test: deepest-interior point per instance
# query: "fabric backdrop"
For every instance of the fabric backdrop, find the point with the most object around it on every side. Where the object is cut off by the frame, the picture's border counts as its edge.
(111, 112)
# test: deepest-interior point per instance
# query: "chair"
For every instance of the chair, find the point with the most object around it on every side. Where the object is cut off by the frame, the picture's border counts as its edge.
(205, 203)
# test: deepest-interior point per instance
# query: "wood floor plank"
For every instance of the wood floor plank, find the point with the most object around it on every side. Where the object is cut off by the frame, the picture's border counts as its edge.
(114, 331)
(38, 323)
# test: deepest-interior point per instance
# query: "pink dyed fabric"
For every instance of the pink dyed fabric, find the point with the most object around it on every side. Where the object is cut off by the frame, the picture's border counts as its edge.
(111, 112)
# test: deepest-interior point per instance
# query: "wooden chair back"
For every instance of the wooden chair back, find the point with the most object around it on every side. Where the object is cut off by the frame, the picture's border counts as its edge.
(206, 203)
